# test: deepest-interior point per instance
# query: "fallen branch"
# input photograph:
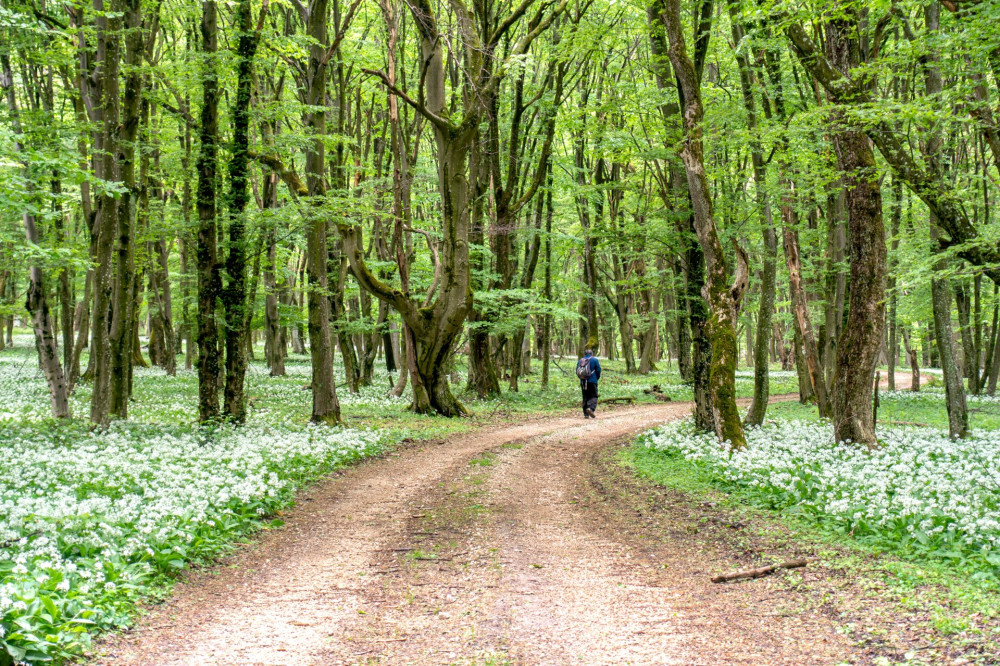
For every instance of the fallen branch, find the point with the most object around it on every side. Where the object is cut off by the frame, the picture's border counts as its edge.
(616, 401)
(11, 542)
(758, 573)
(565, 372)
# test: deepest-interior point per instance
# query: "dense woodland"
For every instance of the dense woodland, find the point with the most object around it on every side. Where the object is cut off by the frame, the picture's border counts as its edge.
(500, 183)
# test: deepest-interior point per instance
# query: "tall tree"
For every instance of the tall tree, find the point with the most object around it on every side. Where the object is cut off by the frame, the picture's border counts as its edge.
(435, 321)
(235, 295)
(37, 298)
(761, 369)
(207, 254)
(325, 406)
(724, 299)
(859, 345)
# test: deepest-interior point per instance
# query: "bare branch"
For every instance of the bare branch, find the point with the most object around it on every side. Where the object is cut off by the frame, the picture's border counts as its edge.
(287, 175)
(515, 15)
(341, 32)
(437, 120)
(263, 15)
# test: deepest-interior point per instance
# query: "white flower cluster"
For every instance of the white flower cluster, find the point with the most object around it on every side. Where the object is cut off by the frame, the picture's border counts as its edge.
(87, 519)
(920, 491)
(936, 394)
(162, 399)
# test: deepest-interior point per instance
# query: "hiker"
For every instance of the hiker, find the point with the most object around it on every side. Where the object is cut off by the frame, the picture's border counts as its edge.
(588, 369)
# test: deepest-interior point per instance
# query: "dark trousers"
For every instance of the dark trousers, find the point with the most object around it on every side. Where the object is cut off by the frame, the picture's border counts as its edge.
(589, 396)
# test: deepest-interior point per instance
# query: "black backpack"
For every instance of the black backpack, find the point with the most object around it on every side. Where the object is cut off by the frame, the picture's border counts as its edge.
(583, 370)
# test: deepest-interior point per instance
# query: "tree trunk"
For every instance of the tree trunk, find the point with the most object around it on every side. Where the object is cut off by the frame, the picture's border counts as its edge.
(724, 300)
(701, 348)
(37, 301)
(970, 360)
(958, 416)
(106, 167)
(684, 326)
(274, 348)
(403, 360)
(836, 285)
(893, 323)
(82, 319)
(337, 266)
(325, 407)
(209, 281)
(547, 287)
(913, 359)
(124, 309)
(45, 340)
(234, 297)
(992, 350)
(160, 293)
(482, 379)
(761, 376)
(589, 334)
(859, 345)
(994, 371)
(533, 249)
(809, 348)
(806, 392)
(651, 336)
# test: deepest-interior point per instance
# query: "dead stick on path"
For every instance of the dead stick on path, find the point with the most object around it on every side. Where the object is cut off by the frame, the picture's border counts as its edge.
(757, 573)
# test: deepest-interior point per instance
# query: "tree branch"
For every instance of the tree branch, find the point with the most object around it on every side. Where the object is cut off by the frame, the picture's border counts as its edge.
(287, 175)
(353, 250)
(514, 16)
(341, 33)
(437, 120)
(951, 216)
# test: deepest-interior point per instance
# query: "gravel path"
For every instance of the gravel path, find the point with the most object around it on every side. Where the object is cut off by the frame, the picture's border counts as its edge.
(488, 548)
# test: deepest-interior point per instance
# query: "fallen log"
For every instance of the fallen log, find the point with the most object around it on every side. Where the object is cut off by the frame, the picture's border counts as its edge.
(758, 573)
(615, 401)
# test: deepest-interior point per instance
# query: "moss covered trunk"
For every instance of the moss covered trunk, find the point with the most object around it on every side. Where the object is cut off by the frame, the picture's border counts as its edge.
(723, 299)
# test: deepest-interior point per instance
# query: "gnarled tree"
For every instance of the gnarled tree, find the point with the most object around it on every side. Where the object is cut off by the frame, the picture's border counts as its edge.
(433, 321)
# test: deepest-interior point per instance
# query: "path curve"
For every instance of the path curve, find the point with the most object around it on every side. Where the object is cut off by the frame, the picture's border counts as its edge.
(479, 549)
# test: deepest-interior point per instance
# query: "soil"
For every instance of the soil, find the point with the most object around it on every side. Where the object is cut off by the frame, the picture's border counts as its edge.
(515, 544)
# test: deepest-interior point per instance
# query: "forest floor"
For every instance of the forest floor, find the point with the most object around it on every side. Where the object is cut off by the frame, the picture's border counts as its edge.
(519, 543)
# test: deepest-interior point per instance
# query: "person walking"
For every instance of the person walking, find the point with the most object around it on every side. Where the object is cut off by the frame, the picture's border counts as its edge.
(588, 369)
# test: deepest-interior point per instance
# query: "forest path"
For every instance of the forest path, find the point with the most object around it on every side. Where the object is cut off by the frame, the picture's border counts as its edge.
(505, 545)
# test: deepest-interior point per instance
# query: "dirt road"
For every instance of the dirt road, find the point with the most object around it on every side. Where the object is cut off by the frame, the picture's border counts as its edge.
(499, 546)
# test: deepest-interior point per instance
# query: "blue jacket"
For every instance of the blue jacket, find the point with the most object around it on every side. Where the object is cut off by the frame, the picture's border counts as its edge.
(595, 370)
